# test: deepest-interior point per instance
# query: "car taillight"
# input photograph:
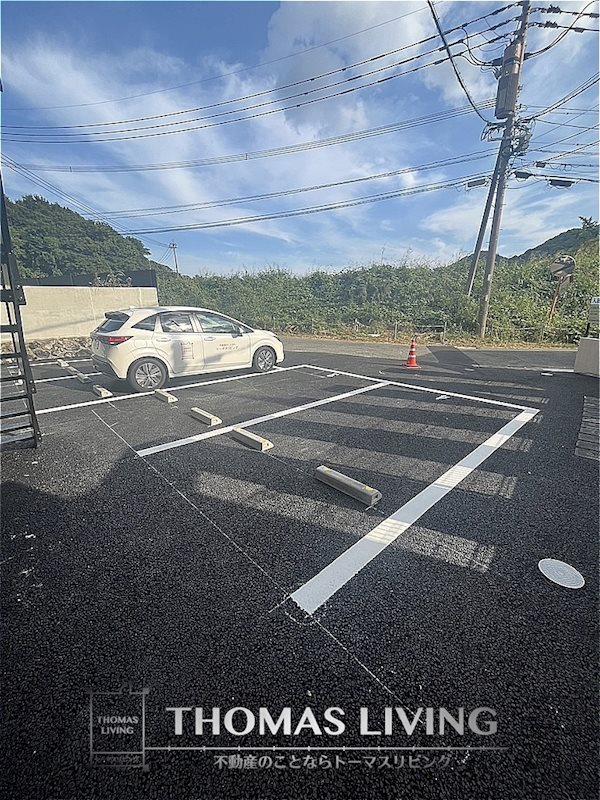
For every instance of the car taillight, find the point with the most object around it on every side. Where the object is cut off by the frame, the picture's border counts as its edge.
(116, 339)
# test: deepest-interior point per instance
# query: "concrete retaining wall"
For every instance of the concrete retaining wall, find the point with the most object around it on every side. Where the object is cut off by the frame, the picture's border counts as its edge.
(588, 357)
(62, 312)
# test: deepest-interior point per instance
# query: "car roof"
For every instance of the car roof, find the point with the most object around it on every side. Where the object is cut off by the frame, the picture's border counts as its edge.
(159, 309)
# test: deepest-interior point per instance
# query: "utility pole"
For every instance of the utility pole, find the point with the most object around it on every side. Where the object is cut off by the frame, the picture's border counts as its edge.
(173, 247)
(482, 227)
(506, 106)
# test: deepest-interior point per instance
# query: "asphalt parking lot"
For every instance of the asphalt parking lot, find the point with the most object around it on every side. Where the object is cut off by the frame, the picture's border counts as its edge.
(141, 547)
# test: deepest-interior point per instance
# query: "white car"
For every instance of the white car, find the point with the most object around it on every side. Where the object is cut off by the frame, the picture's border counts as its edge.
(147, 346)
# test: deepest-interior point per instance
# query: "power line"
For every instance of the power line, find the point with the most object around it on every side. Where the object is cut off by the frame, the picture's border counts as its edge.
(472, 58)
(583, 87)
(136, 213)
(564, 138)
(561, 36)
(556, 125)
(106, 138)
(565, 152)
(563, 124)
(44, 184)
(274, 89)
(226, 122)
(565, 27)
(285, 150)
(542, 163)
(224, 113)
(557, 10)
(259, 154)
(568, 110)
(317, 209)
(451, 59)
(558, 178)
(163, 256)
(225, 74)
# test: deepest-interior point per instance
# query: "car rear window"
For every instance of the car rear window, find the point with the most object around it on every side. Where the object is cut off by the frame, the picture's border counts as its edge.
(147, 324)
(111, 324)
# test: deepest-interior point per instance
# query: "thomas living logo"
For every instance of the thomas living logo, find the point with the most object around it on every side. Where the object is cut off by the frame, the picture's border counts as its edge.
(384, 723)
(117, 723)
(117, 728)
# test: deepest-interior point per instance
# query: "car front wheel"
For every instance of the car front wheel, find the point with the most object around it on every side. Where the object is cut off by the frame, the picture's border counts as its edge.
(147, 374)
(264, 359)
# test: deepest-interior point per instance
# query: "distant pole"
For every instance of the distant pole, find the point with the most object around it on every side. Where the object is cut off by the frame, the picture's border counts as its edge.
(552, 310)
(506, 106)
(173, 247)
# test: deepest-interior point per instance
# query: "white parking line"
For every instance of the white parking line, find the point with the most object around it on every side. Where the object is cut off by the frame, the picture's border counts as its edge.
(418, 388)
(313, 594)
(52, 362)
(171, 389)
(527, 369)
(159, 448)
(64, 378)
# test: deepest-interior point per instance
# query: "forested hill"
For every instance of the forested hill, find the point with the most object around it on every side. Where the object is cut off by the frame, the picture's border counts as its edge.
(49, 239)
(566, 243)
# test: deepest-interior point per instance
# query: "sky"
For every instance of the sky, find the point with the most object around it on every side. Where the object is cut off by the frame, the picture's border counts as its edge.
(92, 63)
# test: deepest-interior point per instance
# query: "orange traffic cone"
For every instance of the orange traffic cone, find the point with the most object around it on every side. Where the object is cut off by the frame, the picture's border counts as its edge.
(412, 355)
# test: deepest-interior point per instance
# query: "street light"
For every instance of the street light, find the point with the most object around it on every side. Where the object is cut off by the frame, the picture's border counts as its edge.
(562, 267)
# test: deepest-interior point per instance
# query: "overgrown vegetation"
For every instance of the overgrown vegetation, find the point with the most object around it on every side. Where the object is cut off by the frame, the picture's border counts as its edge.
(51, 240)
(409, 295)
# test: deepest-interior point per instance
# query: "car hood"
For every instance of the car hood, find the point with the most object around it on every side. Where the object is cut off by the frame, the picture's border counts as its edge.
(261, 332)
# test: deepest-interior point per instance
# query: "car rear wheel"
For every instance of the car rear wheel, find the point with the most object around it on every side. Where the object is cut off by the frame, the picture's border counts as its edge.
(264, 359)
(147, 374)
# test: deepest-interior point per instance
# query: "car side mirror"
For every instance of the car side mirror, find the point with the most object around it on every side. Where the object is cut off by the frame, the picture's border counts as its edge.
(238, 332)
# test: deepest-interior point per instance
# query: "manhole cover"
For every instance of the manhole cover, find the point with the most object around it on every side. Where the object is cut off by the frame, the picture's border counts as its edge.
(561, 573)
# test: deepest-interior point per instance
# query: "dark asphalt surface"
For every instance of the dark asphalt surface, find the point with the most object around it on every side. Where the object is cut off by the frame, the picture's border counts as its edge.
(172, 572)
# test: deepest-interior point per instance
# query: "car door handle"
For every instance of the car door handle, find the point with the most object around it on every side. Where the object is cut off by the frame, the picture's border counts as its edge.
(209, 338)
(162, 338)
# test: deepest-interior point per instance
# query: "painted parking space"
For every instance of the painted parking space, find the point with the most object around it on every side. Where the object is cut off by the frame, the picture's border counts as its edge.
(383, 433)
(391, 436)
(145, 422)
(55, 395)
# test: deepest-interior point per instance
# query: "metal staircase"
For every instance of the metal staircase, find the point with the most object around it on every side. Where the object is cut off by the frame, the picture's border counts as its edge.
(18, 422)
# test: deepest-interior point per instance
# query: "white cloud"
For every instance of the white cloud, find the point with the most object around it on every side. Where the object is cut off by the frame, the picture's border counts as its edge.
(531, 215)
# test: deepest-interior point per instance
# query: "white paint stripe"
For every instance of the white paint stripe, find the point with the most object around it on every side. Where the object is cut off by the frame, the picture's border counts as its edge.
(257, 420)
(52, 362)
(64, 377)
(234, 378)
(91, 403)
(171, 389)
(529, 369)
(326, 583)
(418, 388)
